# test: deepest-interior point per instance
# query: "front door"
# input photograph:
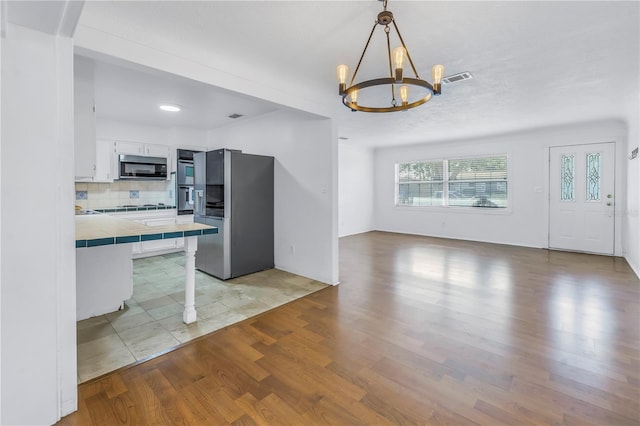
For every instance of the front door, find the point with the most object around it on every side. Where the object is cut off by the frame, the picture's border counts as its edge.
(581, 205)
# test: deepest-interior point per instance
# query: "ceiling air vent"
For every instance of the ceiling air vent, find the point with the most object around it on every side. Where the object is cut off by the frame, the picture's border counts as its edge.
(457, 77)
(234, 115)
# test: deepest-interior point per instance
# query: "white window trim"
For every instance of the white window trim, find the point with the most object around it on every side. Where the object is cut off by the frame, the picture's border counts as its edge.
(456, 209)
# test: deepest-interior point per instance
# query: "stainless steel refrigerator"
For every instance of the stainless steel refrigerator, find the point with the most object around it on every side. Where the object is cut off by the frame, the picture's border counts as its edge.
(234, 192)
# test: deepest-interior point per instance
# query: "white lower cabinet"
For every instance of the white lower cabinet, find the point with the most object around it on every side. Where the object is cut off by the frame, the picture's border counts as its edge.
(154, 218)
(158, 245)
(104, 279)
(182, 219)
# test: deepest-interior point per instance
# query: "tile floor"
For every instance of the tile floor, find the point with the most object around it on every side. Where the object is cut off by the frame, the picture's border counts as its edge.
(151, 322)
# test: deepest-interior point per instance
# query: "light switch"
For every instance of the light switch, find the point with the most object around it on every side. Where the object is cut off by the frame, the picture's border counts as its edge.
(537, 189)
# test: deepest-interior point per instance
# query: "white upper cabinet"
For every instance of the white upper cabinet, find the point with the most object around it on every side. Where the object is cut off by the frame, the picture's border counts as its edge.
(84, 118)
(129, 148)
(156, 150)
(138, 148)
(106, 164)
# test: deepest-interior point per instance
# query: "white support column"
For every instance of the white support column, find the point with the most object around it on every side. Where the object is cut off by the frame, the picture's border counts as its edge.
(190, 247)
(39, 369)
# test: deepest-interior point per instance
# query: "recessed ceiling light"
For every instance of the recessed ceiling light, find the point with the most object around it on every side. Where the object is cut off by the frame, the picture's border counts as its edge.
(170, 107)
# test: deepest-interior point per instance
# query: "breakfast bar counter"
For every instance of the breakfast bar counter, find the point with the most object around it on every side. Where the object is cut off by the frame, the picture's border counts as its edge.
(101, 229)
(104, 267)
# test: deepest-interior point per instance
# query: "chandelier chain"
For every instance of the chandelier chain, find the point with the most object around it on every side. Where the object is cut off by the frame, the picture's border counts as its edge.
(393, 91)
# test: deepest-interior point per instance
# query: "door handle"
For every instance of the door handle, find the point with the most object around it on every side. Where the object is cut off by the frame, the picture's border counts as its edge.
(609, 203)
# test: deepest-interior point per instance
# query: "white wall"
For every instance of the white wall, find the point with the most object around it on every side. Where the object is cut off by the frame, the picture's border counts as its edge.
(305, 186)
(526, 221)
(632, 216)
(2, 34)
(632, 213)
(38, 230)
(356, 189)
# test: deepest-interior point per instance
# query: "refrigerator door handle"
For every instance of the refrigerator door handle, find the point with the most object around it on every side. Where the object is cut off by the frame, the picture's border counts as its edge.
(198, 202)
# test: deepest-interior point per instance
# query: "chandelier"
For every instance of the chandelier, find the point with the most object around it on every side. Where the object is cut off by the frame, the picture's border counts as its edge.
(398, 83)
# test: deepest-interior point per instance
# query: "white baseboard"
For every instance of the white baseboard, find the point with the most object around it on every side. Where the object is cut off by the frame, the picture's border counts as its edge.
(633, 266)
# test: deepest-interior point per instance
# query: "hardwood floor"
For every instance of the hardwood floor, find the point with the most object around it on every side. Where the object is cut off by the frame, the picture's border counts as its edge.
(420, 331)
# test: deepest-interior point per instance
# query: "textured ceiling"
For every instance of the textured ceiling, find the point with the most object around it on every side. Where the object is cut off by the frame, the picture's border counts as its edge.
(535, 64)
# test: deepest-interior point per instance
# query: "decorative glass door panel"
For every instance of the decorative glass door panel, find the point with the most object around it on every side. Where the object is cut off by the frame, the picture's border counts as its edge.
(567, 176)
(593, 176)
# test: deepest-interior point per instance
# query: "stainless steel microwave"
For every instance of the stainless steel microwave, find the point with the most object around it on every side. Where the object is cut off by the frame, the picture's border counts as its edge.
(142, 168)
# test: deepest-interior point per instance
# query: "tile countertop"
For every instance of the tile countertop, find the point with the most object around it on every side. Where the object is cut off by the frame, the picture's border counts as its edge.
(142, 208)
(101, 229)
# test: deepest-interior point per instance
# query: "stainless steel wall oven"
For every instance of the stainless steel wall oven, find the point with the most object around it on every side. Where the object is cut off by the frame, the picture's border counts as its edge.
(185, 179)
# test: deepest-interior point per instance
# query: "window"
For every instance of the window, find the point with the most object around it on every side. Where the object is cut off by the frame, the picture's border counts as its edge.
(420, 183)
(459, 182)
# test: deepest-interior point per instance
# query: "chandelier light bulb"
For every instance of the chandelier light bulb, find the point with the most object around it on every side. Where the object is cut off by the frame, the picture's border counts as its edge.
(398, 56)
(342, 72)
(398, 59)
(437, 72)
(404, 94)
(354, 96)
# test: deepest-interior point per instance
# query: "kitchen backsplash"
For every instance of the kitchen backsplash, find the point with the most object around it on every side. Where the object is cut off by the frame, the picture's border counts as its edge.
(109, 195)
